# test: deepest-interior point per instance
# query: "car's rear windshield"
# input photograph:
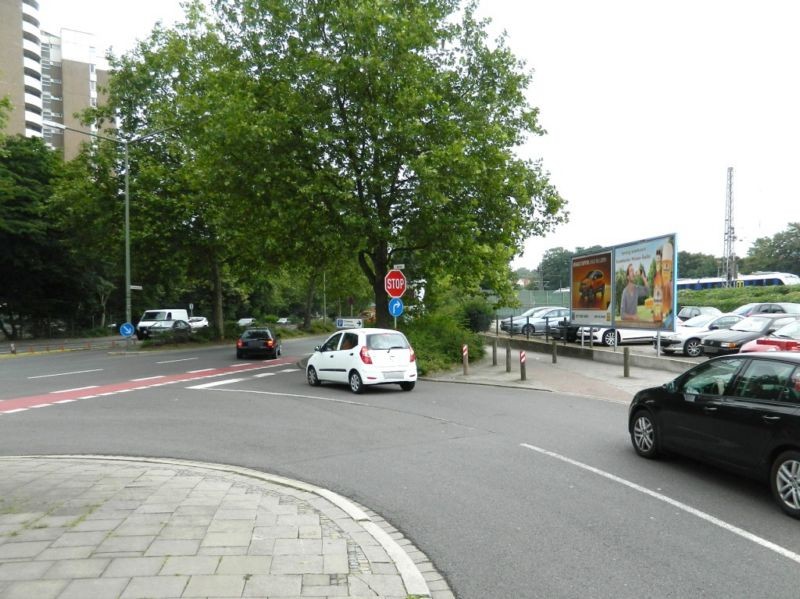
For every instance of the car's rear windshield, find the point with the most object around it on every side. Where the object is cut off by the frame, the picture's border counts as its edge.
(257, 334)
(154, 315)
(387, 341)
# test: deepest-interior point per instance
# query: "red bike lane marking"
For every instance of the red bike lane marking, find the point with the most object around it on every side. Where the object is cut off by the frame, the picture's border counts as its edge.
(20, 404)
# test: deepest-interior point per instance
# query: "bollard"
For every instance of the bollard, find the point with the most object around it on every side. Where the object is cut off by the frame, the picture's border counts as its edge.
(508, 356)
(465, 358)
(626, 362)
(13, 349)
(555, 353)
(522, 374)
(494, 352)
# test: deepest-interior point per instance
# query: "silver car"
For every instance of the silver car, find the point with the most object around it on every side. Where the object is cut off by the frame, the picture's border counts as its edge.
(688, 336)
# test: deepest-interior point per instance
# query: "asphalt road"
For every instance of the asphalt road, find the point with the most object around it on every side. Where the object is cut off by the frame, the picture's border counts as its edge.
(512, 493)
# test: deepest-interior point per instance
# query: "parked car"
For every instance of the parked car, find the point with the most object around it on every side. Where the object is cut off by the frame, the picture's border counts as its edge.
(246, 322)
(169, 330)
(687, 312)
(505, 323)
(768, 308)
(688, 336)
(361, 357)
(283, 320)
(730, 341)
(535, 323)
(609, 336)
(593, 283)
(563, 329)
(786, 338)
(198, 322)
(258, 342)
(738, 412)
(150, 317)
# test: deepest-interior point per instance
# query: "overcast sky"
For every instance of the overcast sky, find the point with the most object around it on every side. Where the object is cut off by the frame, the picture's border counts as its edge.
(646, 106)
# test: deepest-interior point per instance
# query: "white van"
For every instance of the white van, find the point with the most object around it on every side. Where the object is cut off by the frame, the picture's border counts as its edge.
(150, 317)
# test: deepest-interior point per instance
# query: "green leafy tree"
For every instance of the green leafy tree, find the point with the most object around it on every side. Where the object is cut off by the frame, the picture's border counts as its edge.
(780, 253)
(37, 279)
(555, 267)
(696, 266)
(388, 129)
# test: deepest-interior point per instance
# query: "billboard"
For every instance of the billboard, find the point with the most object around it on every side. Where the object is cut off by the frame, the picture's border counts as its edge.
(591, 288)
(644, 284)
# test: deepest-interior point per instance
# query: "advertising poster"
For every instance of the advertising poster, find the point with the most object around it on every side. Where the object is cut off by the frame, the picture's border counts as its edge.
(591, 289)
(644, 284)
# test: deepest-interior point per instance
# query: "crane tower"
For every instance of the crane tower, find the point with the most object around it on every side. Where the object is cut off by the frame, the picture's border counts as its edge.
(729, 254)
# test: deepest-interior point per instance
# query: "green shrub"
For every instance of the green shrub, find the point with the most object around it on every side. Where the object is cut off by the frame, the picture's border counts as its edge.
(437, 340)
(477, 314)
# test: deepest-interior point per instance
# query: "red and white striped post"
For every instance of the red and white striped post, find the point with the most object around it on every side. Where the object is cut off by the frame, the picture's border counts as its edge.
(465, 357)
(522, 374)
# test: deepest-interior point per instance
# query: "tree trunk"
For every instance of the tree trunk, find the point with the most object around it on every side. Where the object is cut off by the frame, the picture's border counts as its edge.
(217, 283)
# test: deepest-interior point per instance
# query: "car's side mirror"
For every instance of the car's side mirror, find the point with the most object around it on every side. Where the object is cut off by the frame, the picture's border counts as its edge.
(713, 327)
(317, 348)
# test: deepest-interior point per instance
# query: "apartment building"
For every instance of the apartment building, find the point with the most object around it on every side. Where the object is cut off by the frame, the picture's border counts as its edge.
(47, 76)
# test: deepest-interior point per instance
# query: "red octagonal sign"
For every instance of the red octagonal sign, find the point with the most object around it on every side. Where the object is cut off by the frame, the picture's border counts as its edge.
(395, 283)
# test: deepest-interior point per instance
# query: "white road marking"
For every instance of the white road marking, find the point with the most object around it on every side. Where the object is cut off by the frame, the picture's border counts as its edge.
(148, 378)
(172, 361)
(65, 401)
(15, 411)
(681, 506)
(75, 389)
(215, 384)
(258, 376)
(201, 370)
(44, 376)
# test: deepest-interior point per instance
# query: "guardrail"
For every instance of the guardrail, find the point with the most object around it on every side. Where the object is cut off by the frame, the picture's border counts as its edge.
(35, 346)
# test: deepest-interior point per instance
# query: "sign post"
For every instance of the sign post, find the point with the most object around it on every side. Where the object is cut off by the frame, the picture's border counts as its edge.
(395, 285)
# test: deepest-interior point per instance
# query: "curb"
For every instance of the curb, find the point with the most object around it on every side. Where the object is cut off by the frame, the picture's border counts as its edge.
(413, 579)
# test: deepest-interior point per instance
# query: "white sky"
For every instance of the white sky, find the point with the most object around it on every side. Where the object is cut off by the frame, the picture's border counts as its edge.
(646, 105)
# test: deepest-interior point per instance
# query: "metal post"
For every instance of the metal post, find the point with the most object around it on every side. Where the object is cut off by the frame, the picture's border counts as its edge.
(508, 355)
(494, 351)
(127, 239)
(522, 373)
(465, 357)
(555, 353)
(626, 362)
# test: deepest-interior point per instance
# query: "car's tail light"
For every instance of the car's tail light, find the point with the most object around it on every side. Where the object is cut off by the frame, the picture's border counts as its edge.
(239, 343)
(412, 357)
(269, 343)
(364, 355)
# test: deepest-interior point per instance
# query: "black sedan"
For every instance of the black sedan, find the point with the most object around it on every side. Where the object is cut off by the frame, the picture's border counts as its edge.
(739, 412)
(258, 342)
(730, 341)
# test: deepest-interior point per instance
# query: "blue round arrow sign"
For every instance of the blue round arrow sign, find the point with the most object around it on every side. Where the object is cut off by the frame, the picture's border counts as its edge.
(126, 329)
(395, 306)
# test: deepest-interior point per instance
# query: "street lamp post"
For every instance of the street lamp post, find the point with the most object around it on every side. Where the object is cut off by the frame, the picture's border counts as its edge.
(127, 226)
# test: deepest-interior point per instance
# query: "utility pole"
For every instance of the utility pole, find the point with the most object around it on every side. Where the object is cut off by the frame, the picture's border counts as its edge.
(729, 254)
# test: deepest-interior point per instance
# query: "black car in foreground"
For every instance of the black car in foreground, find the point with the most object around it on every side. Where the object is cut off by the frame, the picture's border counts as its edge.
(739, 412)
(730, 341)
(258, 342)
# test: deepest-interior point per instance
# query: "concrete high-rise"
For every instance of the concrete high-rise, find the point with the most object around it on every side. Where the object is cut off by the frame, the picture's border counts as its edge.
(47, 76)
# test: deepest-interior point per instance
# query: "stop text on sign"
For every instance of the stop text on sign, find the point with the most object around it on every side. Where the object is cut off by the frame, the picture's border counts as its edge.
(395, 283)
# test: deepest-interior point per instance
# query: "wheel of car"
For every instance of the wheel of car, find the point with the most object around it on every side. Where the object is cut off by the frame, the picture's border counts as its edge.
(356, 384)
(785, 482)
(528, 329)
(279, 352)
(407, 385)
(609, 337)
(239, 354)
(644, 435)
(693, 348)
(312, 377)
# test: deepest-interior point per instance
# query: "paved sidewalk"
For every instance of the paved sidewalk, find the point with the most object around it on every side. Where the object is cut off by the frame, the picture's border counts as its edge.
(82, 527)
(567, 375)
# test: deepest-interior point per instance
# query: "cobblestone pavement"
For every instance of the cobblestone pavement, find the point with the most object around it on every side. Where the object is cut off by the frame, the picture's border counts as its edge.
(82, 527)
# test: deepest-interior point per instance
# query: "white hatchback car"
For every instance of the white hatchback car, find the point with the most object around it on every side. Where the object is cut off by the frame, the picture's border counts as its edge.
(360, 357)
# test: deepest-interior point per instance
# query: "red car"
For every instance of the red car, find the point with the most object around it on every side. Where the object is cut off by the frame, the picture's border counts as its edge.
(786, 338)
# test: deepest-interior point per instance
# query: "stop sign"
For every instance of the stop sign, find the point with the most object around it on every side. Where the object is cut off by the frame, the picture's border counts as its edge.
(395, 283)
